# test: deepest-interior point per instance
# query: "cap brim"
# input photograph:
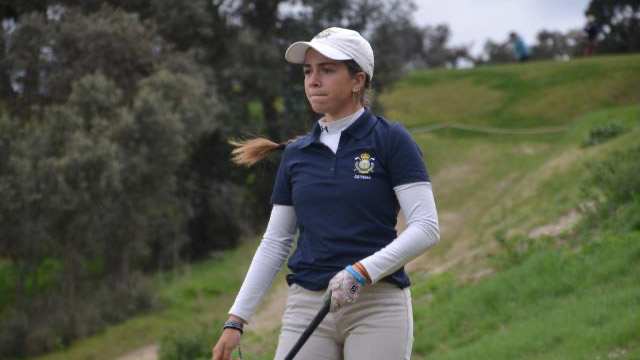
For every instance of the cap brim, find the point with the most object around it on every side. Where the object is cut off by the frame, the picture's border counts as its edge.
(295, 54)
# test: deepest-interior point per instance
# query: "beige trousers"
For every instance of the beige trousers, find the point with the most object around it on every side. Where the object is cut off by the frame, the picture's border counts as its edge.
(378, 326)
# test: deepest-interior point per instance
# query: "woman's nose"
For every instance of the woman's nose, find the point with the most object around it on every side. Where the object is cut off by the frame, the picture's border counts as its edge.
(314, 79)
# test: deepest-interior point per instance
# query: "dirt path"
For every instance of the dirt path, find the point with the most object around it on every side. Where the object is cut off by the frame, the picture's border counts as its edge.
(268, 316)
(149, 352)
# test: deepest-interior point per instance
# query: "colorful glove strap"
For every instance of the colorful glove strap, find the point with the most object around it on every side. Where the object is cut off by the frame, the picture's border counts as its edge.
(356, 275)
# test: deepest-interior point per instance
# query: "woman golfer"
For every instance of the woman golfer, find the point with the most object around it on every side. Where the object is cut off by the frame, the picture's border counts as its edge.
(341, 187)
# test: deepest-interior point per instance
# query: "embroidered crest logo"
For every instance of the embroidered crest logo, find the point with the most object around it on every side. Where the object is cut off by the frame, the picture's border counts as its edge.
(325, 33)
(364, 164)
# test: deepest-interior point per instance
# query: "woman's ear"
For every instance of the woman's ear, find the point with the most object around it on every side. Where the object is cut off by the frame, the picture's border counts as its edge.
(361, 79)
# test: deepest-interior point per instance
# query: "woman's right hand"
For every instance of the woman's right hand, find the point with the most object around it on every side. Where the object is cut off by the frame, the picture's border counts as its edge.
(229, 340)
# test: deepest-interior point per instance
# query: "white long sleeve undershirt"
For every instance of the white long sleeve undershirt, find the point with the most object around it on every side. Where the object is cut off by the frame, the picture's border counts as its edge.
(267, 261)
(422, 232)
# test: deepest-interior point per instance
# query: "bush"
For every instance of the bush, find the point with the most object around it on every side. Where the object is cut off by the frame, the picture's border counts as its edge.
(46, 321)
(612, 195)
(602, 133)
(194, 343)
(616, 179)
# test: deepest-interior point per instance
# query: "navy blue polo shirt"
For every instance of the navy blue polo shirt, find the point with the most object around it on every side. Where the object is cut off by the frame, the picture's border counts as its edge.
(344, 202)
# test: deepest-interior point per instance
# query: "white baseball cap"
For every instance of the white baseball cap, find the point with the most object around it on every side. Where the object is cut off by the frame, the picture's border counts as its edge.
(337, 44)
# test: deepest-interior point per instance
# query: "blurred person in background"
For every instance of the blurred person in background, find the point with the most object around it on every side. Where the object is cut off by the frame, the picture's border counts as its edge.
(592, 29)
(520, 49)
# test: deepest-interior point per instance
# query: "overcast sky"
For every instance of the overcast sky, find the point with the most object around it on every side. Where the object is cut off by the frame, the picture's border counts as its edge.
(475, 21)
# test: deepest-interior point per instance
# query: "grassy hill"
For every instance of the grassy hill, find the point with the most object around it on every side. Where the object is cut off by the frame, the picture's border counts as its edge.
(526, 268)
(518, 95)
(510, 279)
(486, 182)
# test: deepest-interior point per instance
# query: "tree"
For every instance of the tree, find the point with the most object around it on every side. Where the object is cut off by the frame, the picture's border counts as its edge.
(620, 21)
(496, 53)
(90, 180)
(387, 25)
(435, 50)
(556, 45)
(49, 54)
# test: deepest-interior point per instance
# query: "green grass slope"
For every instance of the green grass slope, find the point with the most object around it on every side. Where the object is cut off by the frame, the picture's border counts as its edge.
(488, 182)
(509, 280)
(555, 305)
(518, 95)
(517, 274)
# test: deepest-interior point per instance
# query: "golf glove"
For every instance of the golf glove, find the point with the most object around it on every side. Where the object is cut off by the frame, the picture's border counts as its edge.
(344, 287)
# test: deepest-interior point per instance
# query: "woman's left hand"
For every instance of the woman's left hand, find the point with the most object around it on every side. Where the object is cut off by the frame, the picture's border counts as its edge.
(344, 289)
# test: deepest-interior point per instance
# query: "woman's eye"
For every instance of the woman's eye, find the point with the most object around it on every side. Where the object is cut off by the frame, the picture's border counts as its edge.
(327, 70)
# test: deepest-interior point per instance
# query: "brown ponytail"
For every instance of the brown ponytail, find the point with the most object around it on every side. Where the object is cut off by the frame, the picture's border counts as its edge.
(249, 152)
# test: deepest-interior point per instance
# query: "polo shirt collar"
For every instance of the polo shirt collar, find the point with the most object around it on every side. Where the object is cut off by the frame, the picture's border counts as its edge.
(313, 137)
(359, 129)
(363, 125)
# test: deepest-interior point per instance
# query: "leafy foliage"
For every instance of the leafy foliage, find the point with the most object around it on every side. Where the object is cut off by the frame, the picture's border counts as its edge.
(620, 22)
(188, 344)
(616, 177)
(92, 185)
(602, 133)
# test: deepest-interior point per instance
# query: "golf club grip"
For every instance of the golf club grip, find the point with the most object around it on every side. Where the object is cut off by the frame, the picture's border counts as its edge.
(309, 330)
